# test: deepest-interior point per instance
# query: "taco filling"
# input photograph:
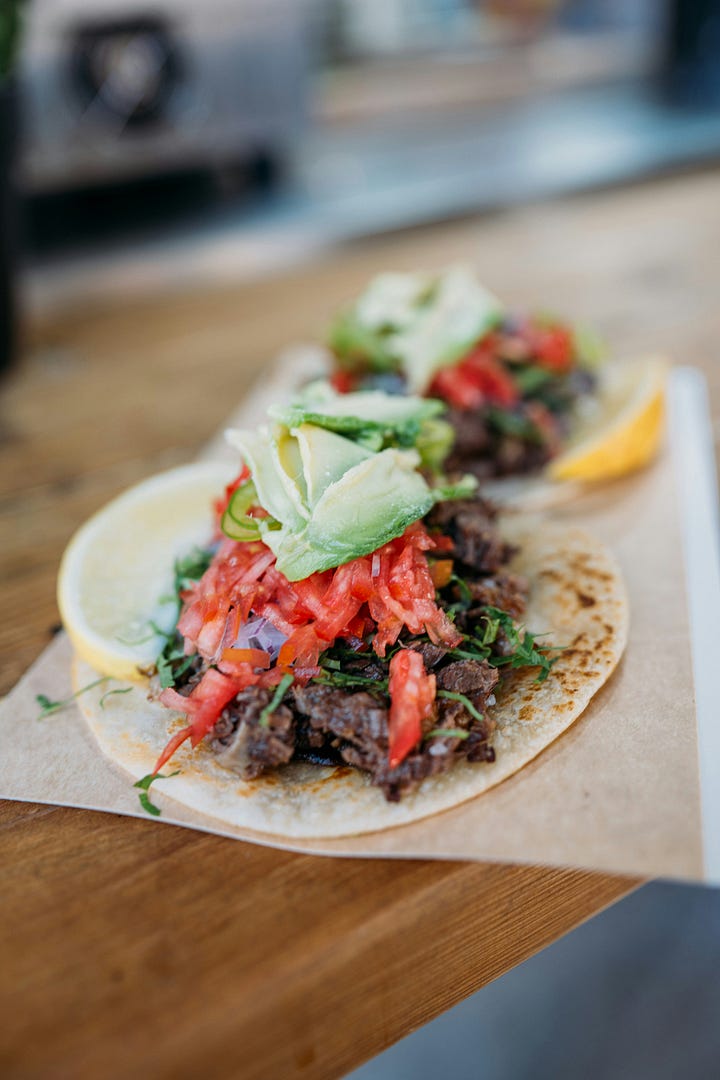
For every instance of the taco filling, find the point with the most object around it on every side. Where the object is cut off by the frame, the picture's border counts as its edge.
(512, 384)
(351, 609)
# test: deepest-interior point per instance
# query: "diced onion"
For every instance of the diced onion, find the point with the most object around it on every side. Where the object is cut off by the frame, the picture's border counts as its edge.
(259, 633)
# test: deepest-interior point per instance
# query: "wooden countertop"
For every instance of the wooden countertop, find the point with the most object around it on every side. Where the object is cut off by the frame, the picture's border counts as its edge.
(128, 948)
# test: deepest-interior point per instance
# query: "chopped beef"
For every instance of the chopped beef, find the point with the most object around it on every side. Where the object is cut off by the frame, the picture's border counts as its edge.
(470, 524)
(368, 666)
(485, 452)
(314, 746)
(472, 434)
(514, 455)
(248, 745)
(505, 591)
(329, 726)
(356, 719)
(431, 654)
(439, 753)
(502, 645)
(468, 677)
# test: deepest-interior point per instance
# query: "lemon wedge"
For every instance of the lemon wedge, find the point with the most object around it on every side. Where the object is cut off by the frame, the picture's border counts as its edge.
(624, 431)
(116, 577)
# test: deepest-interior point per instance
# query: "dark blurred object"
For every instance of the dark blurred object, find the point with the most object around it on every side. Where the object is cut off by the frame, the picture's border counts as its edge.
(8, 220)
(692, 67)
(129, 70)
(9, 35)
(113, 91)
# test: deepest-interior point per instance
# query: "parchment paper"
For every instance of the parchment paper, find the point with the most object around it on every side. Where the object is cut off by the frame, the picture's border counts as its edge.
(620, 791)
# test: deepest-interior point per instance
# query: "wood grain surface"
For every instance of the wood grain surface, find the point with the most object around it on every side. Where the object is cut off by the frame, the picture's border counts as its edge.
(128, 947)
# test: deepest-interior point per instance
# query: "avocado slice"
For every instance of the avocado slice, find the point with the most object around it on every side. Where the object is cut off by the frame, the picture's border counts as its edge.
(320, 404)
(290, 467)
(371, 504)
(416, 324)
(392, 300)
(364, 335)
(325, 457)
(372, 418)
(274, 486)
(461, 313)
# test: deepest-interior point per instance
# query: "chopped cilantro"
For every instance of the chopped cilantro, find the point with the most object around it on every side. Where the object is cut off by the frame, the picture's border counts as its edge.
(466, 597)
(490, 633)
(478, 653)
(349, 679)
(172, 662)
(448, 733)
(191, 568)
(515, 425)
(282, 687)
(48, 706)
(451, 695)
(523, 649)
(109, 693)
(148, 806)
(531, 378)
(465, 488)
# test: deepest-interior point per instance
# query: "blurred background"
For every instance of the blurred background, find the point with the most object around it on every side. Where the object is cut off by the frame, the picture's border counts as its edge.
(153, 151)
(157, 141)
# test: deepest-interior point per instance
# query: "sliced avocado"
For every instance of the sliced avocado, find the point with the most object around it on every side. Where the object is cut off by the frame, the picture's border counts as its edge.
(290, 463)
(371, 504)
(330, 498)
(364, 336)
(461, 312)
(415, 324)
(372, 418)
(273, 486)
(392, 300)
(326, 457)
(373, 405)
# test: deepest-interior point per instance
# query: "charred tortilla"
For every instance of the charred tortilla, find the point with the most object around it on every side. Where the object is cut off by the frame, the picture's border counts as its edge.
(577, 597)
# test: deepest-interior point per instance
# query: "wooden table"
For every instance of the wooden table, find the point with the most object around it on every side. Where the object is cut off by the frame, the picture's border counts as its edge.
(129, 949)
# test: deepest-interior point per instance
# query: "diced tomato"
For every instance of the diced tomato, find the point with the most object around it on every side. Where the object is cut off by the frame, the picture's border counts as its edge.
(546, 423)
(405, 594)
(230, 584)
(477, 379)
(202, 707)
(301, 675)
(257, 658)
(552, 346)
(343, 381)
(303, 647)
(309, 595)
(412, 694)
(275, 675)
(171, 746)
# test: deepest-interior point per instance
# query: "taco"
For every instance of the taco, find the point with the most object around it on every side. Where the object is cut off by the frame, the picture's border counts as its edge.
(350, 650)
(526, 395)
